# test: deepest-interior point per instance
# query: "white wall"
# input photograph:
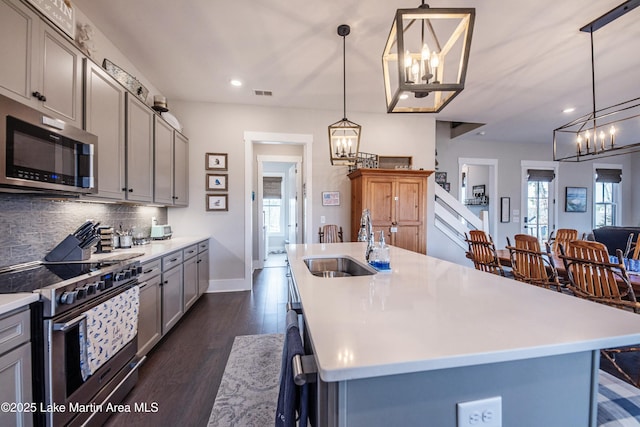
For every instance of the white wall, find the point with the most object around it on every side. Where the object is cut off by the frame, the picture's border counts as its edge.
(220, 128)
(509, 177)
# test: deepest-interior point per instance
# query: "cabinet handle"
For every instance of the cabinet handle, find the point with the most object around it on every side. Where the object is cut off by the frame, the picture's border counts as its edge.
(39, 96)
(124, 189)
(174, 260)
(131, 190)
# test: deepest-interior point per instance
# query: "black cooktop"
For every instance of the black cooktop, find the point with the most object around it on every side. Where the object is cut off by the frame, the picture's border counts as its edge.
(33, 276)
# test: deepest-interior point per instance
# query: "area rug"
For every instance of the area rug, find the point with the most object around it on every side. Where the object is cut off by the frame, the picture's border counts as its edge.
(248, 392)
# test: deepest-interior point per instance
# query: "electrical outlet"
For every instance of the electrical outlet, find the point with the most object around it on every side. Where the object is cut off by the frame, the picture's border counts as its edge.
(480, 413)
(322, 219)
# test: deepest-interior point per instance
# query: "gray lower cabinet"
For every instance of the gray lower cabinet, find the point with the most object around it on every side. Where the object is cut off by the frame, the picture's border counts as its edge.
(150, 313)
(15, 367)
(169, 286)
(203, 267)
(172, 290)
(190, 276)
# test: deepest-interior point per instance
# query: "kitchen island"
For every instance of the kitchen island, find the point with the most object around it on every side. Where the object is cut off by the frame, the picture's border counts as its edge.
(404, 347)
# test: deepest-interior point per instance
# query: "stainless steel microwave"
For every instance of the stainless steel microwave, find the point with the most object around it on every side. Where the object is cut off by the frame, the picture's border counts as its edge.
(38, 152)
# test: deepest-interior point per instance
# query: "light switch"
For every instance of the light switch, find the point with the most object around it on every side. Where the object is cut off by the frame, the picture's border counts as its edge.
(322, 219)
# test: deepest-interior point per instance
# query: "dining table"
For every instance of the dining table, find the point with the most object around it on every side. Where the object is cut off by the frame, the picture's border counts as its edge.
(505, 260)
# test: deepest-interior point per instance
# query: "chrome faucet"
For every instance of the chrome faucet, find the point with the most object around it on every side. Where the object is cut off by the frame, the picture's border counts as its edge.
(366, 232)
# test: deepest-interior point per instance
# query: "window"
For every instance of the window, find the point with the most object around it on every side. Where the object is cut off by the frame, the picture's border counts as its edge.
(272, 204)
(272, 215)
(605, 197)
(538, 209)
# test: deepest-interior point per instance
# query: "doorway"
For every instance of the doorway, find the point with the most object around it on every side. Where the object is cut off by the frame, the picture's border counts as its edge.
(539, 201)
(305, 203)
(279, 212)
(479, 184)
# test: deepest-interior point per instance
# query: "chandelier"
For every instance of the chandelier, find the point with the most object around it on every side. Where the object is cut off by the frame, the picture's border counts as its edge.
(344, 135)
(425, 58)
(606, 132)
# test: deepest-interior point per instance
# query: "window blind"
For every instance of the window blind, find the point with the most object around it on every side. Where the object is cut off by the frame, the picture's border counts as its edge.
(272, 187)
(542, 175)
(609, 175)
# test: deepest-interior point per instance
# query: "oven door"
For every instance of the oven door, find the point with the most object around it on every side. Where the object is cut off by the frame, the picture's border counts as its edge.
(85, 367)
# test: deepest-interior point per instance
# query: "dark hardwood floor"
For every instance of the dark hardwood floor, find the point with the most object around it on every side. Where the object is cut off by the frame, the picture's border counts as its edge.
(183, 372)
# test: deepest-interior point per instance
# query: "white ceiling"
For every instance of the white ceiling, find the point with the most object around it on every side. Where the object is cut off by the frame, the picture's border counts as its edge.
(528, 59)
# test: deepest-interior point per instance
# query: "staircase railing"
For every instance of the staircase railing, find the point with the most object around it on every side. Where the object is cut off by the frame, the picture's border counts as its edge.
(454, 219)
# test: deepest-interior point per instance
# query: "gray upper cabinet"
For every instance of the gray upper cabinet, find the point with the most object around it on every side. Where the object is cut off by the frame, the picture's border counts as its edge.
(19, 58)
(170, 169)
(163, 167)
(40, 67)
(105, 117)
(139, 137)
(181, 168)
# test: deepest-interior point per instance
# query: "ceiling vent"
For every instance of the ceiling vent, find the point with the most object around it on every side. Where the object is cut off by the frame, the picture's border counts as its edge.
(263, 92)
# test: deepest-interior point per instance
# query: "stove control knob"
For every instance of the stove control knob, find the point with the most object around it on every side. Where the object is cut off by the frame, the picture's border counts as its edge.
(92, 288)
(139, 269)
(81, 292)
(119, 276)
(100, 285)
(127, 274)
(68, 297)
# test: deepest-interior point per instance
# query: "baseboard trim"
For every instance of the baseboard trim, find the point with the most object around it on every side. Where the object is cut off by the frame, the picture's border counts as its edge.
(228, 285)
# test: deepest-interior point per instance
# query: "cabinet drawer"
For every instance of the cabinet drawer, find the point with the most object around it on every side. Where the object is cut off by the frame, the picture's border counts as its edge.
(190, 251)
(171, 260)
(150, 270)
(203, 246)
(15, 330)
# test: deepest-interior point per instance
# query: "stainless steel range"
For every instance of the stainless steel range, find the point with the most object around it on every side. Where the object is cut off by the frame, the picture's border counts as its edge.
(89, 335)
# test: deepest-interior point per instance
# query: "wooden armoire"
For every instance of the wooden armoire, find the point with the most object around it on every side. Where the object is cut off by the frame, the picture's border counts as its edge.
(397, 200)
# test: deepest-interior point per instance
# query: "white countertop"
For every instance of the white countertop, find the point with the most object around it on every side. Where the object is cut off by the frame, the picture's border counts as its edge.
(155, 249)
(429, 314)
(9, 302)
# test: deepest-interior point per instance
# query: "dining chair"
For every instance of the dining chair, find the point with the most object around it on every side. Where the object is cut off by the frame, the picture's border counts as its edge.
(562, 236)
(531, 265)
(594, 277)
(634, 252)
(482, 252)
(330, 233)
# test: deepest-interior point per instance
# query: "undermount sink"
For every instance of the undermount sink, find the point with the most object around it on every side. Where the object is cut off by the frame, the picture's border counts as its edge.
(337, 267)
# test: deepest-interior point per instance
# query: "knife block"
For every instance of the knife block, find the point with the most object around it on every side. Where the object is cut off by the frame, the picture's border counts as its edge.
(68, 250)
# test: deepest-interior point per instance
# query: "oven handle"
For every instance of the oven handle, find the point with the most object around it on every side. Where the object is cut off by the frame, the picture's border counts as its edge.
(70, 324)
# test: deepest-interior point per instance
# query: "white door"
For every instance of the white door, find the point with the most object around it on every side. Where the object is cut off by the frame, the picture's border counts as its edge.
(292, 196)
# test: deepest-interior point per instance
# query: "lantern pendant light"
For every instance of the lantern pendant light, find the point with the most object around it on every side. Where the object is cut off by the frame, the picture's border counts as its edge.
(425, 58)
(344, 135)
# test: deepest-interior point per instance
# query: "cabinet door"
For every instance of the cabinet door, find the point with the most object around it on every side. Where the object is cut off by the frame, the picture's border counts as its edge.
(190, 282)
(172, 298)
(380, 199)
(60, 77)
(150, 317)
(203, 272)
(181, 168)
(18, 57)
(139, 138)
(163, 165)
(15, 385)
(105, 117)
(410, 215)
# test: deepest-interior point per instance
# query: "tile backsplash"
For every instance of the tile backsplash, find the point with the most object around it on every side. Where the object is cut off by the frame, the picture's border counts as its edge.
(30, 226)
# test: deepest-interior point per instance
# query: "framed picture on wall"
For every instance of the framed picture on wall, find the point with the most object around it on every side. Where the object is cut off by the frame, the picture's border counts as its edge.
(330, 198)
(216, 182)
(575, 199)
(215, 202)
(216, 161)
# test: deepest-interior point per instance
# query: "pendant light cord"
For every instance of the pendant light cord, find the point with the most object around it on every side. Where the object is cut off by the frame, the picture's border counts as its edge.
(344, 77)
(593, 83)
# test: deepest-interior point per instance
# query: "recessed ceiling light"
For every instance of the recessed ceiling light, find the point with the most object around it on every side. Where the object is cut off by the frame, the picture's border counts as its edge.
(235, 82)
(569, 110)
(404, 96)
(481, 133)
